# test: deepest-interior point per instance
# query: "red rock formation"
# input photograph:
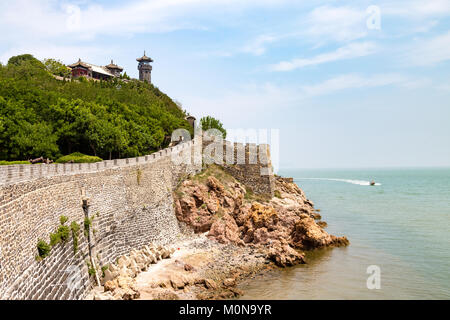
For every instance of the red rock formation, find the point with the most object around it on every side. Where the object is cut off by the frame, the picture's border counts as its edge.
(280, 226)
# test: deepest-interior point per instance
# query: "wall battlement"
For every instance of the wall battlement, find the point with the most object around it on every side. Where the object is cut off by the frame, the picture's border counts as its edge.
(27, 172)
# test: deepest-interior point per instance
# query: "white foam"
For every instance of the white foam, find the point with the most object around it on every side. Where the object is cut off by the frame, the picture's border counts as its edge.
(357, 182)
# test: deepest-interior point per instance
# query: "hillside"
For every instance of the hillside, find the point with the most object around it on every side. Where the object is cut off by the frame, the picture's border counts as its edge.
(42, 116)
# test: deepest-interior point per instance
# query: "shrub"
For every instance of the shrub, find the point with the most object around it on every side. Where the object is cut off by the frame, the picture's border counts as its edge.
(64, 233)
(55, 238)
(61, 234)
(104, 268)
(277, 193)
(63, 220)
(87, 225)
(78, 157)
(43, 249)
(75, 227)
(212, 123)
(8, 163)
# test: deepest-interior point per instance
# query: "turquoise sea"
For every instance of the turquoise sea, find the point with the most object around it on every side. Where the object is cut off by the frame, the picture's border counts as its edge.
(400, 225)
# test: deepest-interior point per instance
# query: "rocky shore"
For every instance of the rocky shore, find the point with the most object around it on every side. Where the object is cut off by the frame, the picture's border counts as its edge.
(237, 234)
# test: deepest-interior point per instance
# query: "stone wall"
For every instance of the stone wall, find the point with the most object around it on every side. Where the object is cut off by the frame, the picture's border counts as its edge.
(132, 205)
(130, 200)
(248, 163)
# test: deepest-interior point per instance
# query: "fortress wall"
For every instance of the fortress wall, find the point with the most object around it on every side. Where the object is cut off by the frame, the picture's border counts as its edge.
(130, 200)
(249, 163)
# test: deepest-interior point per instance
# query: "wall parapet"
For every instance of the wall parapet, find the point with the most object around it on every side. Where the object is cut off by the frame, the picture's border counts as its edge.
(11, 174)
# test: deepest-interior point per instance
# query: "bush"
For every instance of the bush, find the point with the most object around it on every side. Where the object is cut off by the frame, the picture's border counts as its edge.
(75, 227)
(64, 233)
(8, 163)
(43, 249)
(78, 157)
(87, 225)
(212, 123)
(61, 234)
(63, 220)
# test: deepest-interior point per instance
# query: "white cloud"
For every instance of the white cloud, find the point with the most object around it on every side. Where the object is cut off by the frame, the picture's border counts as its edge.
(416, 8)
(47, 18)
(355, 81)
(353, 50)
(429, 52)
(336, 24)
(258, 46)
(252, 100)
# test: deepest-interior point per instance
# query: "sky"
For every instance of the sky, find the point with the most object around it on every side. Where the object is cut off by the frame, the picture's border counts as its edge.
(344, 84)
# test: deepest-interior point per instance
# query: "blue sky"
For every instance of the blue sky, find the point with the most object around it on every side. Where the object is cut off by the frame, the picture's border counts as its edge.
(343, 90)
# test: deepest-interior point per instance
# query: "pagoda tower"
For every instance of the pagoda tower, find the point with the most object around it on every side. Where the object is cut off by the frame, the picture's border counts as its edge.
(145, 69)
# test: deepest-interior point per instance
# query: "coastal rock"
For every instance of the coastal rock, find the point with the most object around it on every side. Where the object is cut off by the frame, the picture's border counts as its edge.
(225, 230)
(307, 234)
(229, 282)
(284, 256)
(280, 227)
(210, 284)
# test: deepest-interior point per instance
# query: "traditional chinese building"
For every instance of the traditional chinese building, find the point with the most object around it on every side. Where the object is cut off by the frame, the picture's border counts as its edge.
(93, 71)
(145, 69)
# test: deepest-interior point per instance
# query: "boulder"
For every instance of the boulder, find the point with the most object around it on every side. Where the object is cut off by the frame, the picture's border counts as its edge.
(229, 282)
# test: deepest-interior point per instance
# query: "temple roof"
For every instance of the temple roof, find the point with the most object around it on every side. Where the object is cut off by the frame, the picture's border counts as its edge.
(114, 66)
(79, 63)
(99, 69)
(144, 58)
(92, 67)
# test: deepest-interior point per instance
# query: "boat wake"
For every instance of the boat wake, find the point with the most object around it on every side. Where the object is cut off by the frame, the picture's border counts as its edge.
(357, 182)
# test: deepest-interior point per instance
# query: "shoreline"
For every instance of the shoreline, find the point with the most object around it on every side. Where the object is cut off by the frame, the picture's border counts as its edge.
(229, 236)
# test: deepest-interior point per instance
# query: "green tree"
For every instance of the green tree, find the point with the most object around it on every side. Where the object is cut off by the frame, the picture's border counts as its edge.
(42, 116)
(209, 122)
(57, 68)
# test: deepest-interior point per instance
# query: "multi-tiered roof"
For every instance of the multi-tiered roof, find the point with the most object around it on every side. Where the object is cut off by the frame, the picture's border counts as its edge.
(144, 58)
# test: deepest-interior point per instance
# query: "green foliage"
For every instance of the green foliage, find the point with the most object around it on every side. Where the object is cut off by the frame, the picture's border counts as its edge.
(91, 270)
(63, 220)
(277, 194)
(104, 268)
(8, 163)
(78, 157)
(42, 116)
(61, 234)
(55, 238)
(87, 225)
(57, 68)
(212, 123)
(43, 249)
(75, 227)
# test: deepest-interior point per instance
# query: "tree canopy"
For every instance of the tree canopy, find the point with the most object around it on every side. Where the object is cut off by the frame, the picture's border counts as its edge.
(212, 123)
(43, 116)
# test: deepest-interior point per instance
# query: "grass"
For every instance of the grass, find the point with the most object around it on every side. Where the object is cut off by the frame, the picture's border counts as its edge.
(8, 163)
(251, 196)
(78, 157)
(215, 171)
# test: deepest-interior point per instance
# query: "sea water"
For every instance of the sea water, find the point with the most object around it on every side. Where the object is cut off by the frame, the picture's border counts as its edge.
(400, 226)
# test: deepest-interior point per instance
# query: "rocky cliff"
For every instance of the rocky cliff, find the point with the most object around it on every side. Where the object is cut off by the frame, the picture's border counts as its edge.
(282, 226)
